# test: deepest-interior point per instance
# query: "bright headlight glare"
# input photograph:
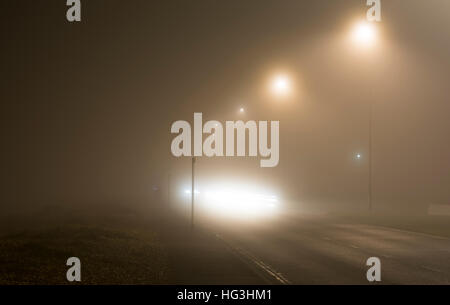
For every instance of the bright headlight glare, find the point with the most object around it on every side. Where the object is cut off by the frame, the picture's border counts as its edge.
(235, 202)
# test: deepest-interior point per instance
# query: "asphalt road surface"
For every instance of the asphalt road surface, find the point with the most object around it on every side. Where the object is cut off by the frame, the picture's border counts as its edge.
(311, 250)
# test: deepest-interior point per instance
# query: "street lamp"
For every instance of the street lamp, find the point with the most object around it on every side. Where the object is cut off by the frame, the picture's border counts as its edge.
(280, 85)
(364, 35)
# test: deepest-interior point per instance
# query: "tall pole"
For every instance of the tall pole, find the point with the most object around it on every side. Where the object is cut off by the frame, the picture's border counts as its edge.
(168, 191)
(370, 156)
(192, 194)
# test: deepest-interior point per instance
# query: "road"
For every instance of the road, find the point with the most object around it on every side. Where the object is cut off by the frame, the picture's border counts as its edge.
(313, 250)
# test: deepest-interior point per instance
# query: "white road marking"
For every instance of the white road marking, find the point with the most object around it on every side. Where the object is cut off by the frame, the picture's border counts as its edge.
(265, 267)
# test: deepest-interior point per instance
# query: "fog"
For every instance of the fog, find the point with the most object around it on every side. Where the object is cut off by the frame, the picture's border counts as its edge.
(87, 108)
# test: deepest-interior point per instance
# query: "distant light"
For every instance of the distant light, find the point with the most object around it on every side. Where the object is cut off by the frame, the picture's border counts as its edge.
(241, 110)
(189, 192)
(358, 156)
(364, 34)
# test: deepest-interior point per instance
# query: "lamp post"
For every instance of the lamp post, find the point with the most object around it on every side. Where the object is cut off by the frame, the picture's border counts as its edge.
(192, 193)
(364, 37)
(370, 158)
(168, 191)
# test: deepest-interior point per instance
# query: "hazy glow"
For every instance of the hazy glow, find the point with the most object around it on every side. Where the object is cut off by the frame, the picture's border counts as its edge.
(364, 34)
(189, 192)
(358, 156)
(241, 110)
(239, 202)
(280, 85)
(236, 201)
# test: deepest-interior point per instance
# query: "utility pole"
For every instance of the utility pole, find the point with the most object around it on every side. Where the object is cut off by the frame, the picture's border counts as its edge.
(192, 194)
(370, 156)
(168, 191)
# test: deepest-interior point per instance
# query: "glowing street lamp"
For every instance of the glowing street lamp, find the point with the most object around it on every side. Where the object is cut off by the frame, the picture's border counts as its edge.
(364, 34)
(280, 85)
